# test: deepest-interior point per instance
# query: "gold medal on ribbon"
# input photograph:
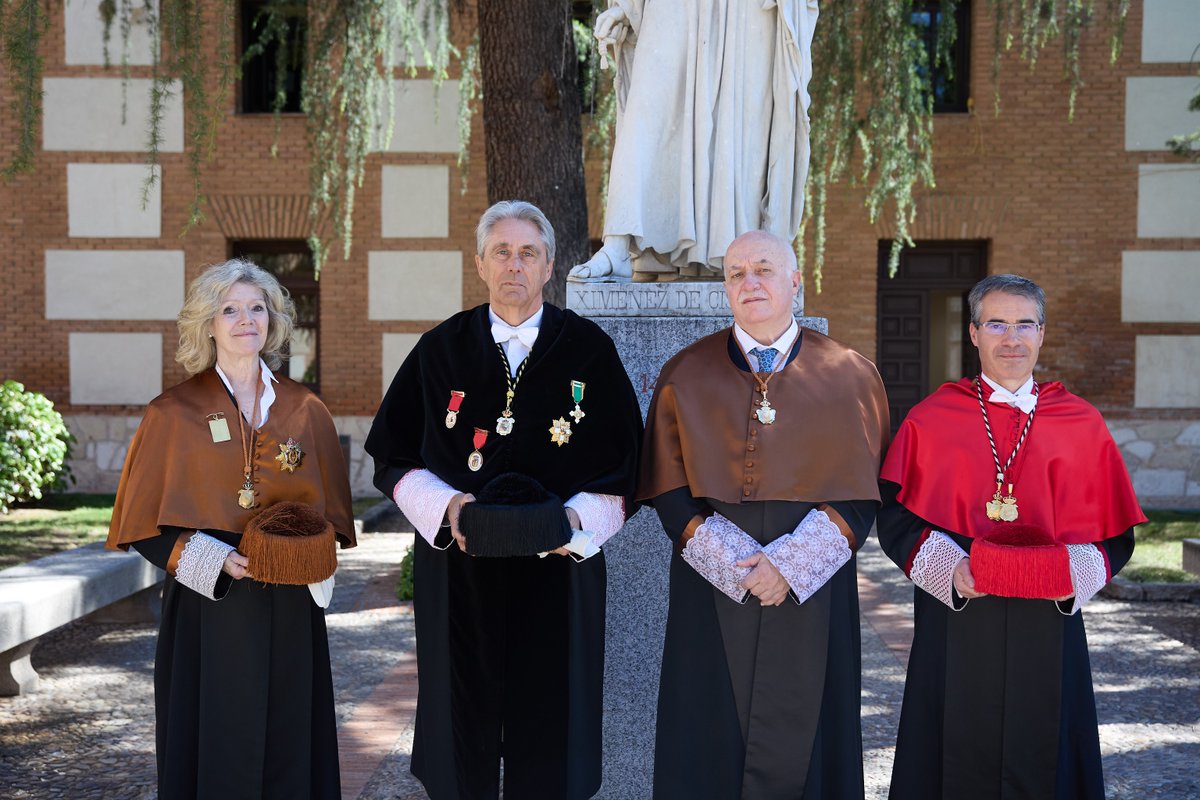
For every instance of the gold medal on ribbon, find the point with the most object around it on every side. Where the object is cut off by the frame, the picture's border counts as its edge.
(475, 460)
(452, 407)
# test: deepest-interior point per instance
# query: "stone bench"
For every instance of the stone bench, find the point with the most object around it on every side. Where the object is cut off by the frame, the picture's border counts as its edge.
(37, 597)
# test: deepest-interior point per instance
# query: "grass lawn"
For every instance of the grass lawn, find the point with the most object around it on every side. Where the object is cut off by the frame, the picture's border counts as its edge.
(54, 523)
(1158, 555)
(64, 521)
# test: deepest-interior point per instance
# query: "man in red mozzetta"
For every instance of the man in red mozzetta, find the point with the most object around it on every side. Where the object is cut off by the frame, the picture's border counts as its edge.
(1007, 503)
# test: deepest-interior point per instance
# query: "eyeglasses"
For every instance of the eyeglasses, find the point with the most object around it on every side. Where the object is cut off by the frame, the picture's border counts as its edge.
(1025, 330)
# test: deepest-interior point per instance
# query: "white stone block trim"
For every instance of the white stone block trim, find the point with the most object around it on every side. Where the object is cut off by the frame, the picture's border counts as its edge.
(1168, 201)
(115, 368)
(425, 120)
(415, 201)
(1156, 108)
(1170, 31)
(68, 102)
(106, 200)
(396, 347)
(1160, 286)
(84, 35)
(414, 284)
(114, 284)
(1167, 376)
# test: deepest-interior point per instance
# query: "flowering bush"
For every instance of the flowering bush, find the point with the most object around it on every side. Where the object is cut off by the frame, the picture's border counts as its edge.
(34, 445)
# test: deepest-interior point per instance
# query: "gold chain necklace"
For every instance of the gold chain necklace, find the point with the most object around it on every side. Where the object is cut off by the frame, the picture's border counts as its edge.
(246, 493)
(765, 412)
(505, 422)
(1002, 509)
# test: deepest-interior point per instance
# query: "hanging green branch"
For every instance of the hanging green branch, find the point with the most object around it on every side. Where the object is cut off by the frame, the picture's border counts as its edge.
(872, 107)
(348, 93)
(1188, 144)
(22, 25)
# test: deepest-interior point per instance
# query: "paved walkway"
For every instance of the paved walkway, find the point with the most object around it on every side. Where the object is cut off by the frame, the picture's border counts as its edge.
(89, 731)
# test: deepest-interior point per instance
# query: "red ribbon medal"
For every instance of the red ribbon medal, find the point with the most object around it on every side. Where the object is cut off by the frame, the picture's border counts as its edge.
(456, 399)
(475, 460)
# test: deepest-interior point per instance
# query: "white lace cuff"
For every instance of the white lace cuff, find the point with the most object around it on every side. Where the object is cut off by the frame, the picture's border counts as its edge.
(200, 563)
(810, 555)
(423, 497)
(1088, 573)
(601, 514)
(714, 551)
(933, 566)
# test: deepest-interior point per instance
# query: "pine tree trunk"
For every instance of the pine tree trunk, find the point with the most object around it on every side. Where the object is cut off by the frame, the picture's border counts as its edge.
(531, 126)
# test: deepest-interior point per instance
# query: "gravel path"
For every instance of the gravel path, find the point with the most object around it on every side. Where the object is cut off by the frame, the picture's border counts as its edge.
(88, 732)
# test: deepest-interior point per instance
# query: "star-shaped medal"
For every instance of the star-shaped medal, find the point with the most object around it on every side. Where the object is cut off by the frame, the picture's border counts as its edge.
(289, 455)
(560, 432)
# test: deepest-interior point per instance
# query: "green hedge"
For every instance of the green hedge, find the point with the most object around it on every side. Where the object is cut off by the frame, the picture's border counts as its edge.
(34, 445)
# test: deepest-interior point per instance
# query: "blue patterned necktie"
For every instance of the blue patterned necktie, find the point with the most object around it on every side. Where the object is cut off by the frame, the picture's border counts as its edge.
(766, 358)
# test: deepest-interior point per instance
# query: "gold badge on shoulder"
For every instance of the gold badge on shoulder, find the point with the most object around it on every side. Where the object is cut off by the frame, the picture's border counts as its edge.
(289, 455)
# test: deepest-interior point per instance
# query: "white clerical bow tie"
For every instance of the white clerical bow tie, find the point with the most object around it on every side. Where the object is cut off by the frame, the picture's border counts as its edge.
(502, 333)
(1025, 402)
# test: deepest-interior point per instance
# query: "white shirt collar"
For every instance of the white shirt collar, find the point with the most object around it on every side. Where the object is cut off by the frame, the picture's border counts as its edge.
(1023, 398)
(783, 344)
(268, 395)
(534, 321)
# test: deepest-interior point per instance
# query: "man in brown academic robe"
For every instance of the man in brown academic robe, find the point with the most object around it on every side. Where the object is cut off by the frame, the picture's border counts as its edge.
(766, 482)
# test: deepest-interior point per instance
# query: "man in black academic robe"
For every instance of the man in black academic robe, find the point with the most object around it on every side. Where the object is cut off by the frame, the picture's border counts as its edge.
(510, 650)
(766, 482)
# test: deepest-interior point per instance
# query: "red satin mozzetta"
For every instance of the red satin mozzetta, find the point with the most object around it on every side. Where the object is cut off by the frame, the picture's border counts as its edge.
(1069, 479)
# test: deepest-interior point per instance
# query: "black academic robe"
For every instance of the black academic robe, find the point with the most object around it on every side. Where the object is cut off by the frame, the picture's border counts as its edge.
(761, 703)
(243, 688)
(509, 647)
(998, 703)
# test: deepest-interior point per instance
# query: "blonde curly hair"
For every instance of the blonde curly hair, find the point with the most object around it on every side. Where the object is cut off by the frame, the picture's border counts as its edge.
(197, 350)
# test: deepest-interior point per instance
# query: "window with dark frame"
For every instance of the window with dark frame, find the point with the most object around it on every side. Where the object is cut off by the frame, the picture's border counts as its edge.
(290, 261)
(950, 81)
(260, 72)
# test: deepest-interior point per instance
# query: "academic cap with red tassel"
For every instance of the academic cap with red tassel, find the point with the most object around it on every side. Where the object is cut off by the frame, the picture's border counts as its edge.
(1020, 560)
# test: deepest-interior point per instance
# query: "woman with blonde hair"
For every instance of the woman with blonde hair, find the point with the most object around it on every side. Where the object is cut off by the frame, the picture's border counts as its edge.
(235, 485)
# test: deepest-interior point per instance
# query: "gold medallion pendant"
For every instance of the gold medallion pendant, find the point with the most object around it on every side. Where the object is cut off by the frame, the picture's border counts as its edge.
(504, 423)
(289, 455)
(246, 495)
(560, 432)
(765, 413)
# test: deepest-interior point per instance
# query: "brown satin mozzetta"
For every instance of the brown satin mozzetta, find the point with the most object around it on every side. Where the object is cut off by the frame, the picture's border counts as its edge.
(826, 443)
(177, 551)
(175, 475)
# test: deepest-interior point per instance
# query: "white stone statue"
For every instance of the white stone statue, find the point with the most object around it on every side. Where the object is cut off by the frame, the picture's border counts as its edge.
(711, 135)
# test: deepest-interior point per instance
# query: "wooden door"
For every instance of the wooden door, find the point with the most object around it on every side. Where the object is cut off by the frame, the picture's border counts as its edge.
(922, 314)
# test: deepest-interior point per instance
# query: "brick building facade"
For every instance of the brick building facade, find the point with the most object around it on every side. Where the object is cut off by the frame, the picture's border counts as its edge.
(1096, 210)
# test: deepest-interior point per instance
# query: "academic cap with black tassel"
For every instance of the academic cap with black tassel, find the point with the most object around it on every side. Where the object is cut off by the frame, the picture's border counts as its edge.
(514, 515)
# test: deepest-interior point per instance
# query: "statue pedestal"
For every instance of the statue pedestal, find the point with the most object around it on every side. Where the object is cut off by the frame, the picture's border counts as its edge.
(649, 322)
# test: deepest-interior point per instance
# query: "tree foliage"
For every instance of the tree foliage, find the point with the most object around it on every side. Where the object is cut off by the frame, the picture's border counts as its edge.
(871, 111)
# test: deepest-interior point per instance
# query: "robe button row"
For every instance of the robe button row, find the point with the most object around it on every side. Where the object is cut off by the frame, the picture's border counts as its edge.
(745, 493)
(752, 447)
(749, 463)
(749, 479)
